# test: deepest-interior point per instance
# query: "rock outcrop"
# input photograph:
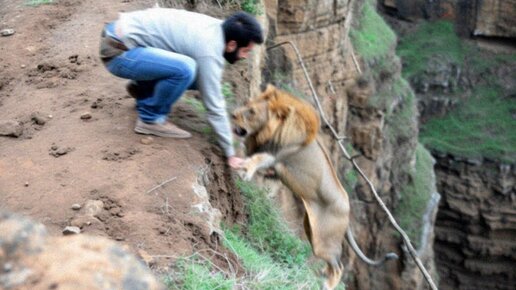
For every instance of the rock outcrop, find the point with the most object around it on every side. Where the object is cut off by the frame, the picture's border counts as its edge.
(475, 231)
(489, 18)
(30, 259)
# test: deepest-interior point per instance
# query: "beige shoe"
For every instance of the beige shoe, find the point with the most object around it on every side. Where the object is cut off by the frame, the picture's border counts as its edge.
(166, 129)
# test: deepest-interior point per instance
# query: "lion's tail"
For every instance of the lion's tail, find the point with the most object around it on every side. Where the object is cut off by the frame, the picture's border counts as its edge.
(353, 244)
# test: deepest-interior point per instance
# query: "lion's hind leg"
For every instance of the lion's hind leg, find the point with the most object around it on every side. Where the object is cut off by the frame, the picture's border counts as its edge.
(326, 242)
(325, 234)
(333, 274)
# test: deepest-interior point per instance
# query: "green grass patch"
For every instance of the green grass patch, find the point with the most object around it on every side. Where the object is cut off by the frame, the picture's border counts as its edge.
(482, 122)
(401, 119)
(267, 231)
(195, 104)
(438, 39)
(481, 62)
(375, 41)
(350, 177)
(227, 92)
(350, 180)
(415, 196)
(263, 272)
(272, 257)
(208, 132)
(196, 273)
(372, 38)
(481, 126)
(430, 40)
(38, 2)
(252, 6)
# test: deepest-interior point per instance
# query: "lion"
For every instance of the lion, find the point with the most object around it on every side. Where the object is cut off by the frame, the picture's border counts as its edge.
(281, 131)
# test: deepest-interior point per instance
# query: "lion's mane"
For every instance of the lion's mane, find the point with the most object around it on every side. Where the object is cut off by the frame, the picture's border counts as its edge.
(291, 120)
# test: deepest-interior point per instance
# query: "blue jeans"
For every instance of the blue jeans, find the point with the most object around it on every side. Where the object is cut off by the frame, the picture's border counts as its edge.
(163, 75)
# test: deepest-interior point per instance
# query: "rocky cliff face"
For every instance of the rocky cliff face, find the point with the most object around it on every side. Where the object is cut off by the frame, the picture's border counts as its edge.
(474, 245)
(489, 18)
(357, 107)
(475, 231)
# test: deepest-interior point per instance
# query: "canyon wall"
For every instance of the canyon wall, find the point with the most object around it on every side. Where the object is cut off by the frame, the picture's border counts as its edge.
(475, 231)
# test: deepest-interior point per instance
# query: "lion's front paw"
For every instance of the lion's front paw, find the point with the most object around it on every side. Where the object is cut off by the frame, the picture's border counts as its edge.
(248, 176)
(248, 169)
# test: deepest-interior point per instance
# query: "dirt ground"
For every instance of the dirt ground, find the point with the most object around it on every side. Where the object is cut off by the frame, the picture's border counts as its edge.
(78, 146)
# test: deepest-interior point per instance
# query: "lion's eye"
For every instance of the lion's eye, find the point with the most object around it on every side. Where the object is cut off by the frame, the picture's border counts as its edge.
(251, 111)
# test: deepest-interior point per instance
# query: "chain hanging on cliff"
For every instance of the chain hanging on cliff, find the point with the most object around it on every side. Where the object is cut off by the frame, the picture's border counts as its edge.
(340, 139)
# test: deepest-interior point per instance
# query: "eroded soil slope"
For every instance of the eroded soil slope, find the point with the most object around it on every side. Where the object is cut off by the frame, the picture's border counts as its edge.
(77, 144)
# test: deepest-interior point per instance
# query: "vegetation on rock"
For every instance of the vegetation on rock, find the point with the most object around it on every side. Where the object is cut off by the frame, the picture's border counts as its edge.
(415, 196)
(272, 256)
(481, 122)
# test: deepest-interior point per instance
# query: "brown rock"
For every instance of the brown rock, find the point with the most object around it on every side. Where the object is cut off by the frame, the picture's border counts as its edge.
(93, 207)
(148, 259)
(147, 140)
(32, 260)
(39, 118)
(60, 151)
(71, 230)
(7, 32)
(11, 128)
(86, 116)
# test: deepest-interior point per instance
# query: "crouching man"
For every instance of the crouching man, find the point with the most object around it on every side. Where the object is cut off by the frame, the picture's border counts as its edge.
(166, 51)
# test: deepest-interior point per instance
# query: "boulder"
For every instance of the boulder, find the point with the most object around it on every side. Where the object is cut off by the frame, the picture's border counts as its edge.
(31, 259)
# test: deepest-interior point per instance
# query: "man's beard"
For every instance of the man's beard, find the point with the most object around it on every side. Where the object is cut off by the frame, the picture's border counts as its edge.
(231, 57)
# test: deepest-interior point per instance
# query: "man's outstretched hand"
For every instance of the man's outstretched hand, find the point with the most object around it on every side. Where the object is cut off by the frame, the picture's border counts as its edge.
(235, 162)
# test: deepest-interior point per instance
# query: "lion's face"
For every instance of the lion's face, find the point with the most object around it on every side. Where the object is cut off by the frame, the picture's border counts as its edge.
(251, 117)
(276, 116)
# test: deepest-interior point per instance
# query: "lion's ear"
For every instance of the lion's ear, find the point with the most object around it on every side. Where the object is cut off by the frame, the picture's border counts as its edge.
(269, 93)
(282, 112)
(269, 89)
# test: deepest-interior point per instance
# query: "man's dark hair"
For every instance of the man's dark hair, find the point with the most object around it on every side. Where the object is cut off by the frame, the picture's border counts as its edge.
(242, 28)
